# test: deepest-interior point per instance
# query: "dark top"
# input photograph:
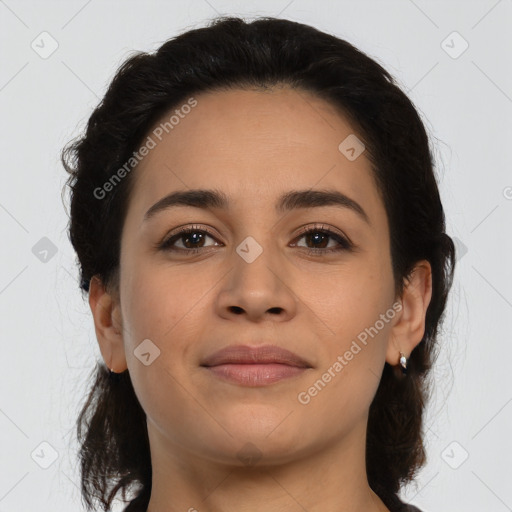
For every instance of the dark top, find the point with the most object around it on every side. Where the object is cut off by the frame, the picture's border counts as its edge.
(393, 503)
(396, 505)
(410, 508)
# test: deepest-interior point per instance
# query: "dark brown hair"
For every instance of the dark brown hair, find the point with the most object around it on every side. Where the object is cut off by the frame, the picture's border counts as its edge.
(231, 53)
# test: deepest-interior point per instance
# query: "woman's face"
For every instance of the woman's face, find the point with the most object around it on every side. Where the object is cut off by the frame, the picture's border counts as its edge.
(251, 281)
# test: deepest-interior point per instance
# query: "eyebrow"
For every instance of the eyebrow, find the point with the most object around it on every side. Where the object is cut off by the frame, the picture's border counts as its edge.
(295, 199)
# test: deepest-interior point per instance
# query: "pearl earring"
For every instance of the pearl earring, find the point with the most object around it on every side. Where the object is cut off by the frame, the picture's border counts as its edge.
(403, 363)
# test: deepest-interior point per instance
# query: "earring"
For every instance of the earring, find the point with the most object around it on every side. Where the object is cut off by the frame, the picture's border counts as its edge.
(403, 363)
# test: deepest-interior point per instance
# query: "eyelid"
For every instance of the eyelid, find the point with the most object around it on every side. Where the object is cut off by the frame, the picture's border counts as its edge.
(323, 227)
(183, 230)
(344, 242)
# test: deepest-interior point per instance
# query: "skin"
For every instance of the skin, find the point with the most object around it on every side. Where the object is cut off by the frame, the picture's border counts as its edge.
(254, 146)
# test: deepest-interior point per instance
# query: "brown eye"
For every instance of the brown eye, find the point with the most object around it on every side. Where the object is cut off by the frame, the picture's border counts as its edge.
(192, 240)
(320, 238)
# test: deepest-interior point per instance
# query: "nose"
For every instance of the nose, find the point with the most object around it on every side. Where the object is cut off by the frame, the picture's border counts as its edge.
(257, 289)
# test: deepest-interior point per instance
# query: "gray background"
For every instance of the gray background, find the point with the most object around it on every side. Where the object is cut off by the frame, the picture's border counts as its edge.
(48, 342)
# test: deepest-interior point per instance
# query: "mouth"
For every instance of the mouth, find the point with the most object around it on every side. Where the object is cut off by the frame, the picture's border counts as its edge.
(255, 366)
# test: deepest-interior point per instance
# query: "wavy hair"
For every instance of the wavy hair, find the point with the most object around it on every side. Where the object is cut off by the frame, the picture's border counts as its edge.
(231, 53)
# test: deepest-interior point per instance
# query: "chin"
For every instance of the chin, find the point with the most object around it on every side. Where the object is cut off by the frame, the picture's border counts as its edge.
(260, 451)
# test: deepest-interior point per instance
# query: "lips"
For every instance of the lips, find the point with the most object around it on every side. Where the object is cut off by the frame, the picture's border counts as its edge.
(243, 365)
(263, 354)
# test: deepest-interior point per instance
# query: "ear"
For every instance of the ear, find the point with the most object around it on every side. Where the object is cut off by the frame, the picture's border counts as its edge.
(409, 327)
(106, 312)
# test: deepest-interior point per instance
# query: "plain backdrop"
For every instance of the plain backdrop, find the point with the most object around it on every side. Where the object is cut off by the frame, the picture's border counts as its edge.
(451, 57)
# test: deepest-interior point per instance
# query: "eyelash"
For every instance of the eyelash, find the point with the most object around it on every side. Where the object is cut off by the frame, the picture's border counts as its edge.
(344, 243)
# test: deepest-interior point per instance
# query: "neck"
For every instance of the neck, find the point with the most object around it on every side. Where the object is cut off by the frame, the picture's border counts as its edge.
(331, 478)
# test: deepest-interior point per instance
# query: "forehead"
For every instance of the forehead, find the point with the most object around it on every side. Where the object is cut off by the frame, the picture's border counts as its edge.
(254, 145)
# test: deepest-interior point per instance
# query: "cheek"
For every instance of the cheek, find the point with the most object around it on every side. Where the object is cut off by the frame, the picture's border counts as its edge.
(346, 298)
(356, 307)
(156, 308)
(158, 298)
(348, 377)
(167, 305)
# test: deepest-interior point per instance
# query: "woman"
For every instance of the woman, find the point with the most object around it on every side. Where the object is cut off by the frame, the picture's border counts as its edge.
(261, 237)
